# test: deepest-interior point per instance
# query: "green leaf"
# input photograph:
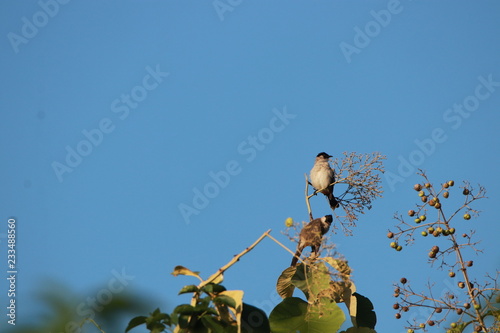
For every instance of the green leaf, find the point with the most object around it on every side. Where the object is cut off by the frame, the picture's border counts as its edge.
(299, 279)
(365, 316)
(284, 286)
(289, 316)
(136, 322)
(213, 288)
(313, 280)
(359, 330)
(157, 317)
(294, 315)
(184, 321)
(184, 309)
(212, 324)
(188, 289)
(156, 328)
(254, 320)
(319, 279)
(226, 300)
(181, 270)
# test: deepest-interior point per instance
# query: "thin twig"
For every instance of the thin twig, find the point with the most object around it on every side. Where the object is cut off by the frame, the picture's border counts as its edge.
(93, 322)
(233, 261)
(283, 246)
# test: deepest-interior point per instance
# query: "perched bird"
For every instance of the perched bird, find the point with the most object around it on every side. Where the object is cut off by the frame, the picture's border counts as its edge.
(312, 235)
(322, 175)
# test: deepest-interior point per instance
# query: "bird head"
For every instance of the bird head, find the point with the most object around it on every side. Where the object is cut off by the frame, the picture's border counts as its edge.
(324, 155)
(326, 221)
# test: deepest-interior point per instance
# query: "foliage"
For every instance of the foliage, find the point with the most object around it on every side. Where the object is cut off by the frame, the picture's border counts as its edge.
(63, 309)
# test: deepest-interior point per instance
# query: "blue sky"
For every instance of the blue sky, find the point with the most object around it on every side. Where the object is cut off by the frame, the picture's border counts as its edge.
(156, 97)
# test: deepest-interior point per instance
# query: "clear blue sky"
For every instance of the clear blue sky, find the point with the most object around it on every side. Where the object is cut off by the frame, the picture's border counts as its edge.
(160, 95)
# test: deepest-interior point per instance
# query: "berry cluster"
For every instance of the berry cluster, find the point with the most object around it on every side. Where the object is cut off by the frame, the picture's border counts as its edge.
(450, 256)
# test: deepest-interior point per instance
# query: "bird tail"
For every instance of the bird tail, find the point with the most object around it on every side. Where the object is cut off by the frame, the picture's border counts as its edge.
(295, 258)
(333, 202)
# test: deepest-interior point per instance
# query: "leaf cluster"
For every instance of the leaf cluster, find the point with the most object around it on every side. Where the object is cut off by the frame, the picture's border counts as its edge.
(320, 313)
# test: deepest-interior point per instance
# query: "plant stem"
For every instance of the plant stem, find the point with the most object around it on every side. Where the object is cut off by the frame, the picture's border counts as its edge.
(307, 198)
(232, 261)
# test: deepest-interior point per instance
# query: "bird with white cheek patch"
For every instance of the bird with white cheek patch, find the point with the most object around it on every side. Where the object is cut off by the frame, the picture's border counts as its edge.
(322, 176)
(312, 235)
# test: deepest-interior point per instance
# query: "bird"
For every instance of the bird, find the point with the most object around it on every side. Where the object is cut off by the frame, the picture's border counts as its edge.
(312, 235)
(322, 176)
